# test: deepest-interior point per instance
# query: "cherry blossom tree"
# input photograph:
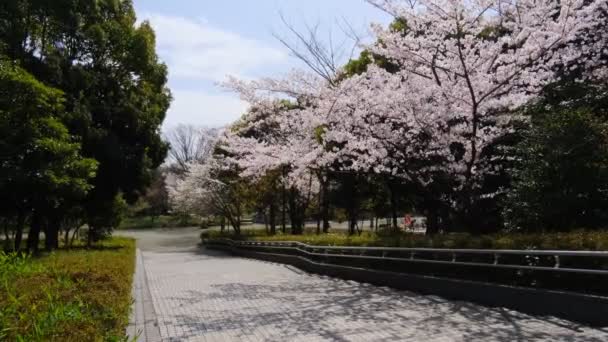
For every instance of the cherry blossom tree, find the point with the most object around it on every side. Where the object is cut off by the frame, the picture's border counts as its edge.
(473, 61)
(210, 189)
(439, 118)
(465, 69)
(274, 138)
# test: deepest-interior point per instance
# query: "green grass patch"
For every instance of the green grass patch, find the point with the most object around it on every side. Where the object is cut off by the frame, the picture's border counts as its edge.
(577, 240)
(69, 295)
(164, 221)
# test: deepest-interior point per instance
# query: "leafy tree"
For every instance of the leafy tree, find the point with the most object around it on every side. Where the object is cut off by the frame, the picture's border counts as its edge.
(562, 175)
(41, 169)
(113, 85)
(156, 198)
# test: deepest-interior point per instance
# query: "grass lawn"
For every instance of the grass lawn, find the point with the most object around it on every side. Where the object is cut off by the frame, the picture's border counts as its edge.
(577, 240)
(164, 221)
(69, 295)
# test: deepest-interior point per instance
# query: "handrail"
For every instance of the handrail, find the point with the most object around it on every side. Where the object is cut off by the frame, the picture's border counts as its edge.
(414, 255)
(436, 250)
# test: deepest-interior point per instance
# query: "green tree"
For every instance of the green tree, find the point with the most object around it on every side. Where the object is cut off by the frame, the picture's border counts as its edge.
(113, 84)
(562, 175)
(41, 169)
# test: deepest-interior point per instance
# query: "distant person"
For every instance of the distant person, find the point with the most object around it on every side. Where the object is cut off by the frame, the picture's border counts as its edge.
(407, 221)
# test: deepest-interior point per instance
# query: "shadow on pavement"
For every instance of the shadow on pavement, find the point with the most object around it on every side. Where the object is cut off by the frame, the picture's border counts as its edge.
(327, 309)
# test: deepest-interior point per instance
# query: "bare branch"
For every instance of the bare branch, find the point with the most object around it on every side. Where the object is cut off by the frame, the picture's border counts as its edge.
(324, 58)
(190, 144)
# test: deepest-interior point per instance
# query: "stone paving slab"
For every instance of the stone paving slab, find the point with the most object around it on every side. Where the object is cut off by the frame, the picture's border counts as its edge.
(209, 296)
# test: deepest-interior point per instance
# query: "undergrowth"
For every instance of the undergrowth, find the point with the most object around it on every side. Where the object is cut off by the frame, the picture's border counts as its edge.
(68, 295)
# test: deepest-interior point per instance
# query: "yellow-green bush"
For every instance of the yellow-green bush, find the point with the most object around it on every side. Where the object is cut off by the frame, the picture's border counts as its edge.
(577, 240)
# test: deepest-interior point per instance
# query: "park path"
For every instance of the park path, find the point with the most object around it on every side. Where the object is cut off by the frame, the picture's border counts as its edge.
(187, 293)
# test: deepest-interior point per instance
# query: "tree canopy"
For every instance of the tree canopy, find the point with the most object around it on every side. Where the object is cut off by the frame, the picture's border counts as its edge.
(435, 108)
(110, 86)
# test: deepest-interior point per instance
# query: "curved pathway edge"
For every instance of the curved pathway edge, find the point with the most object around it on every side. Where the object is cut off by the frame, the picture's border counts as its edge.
(143, 324)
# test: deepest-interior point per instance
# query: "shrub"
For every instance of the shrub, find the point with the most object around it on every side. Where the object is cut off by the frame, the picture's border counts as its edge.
(163, 221)
(575, 240)
(559, 180)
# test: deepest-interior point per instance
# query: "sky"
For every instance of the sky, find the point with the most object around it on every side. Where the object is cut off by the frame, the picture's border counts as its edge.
(203, 41)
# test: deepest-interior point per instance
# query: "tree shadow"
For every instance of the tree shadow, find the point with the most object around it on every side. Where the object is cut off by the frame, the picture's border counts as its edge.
(311, 306)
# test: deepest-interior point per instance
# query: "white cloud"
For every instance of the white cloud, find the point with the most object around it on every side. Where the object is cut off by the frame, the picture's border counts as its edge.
(195, 50)
(199, 108)
(198, 56)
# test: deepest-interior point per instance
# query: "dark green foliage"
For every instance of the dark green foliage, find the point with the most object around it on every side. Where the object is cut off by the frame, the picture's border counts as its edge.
(107, 216)
(110, 100)
(359, 65)
(162, 221)
(399, 25)
(42, 170)
(155, 201)
(561, 180)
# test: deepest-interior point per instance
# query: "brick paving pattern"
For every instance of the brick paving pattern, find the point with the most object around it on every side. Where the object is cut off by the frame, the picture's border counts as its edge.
(208, 296)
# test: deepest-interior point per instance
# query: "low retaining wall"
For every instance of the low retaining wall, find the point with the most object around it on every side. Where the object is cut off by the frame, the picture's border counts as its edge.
(588, 309)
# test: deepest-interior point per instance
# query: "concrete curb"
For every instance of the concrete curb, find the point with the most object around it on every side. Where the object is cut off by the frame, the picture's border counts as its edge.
(143, 324)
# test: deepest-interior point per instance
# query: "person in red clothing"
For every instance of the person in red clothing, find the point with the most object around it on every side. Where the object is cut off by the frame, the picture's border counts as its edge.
(407, 222)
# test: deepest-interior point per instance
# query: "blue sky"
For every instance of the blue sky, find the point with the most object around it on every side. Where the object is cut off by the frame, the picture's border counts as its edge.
(202, 41)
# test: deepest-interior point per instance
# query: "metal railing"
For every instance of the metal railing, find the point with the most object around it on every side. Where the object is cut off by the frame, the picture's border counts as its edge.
(491, 258)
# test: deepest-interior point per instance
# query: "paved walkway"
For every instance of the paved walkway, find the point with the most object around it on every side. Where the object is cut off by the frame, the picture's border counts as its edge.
(201, 295)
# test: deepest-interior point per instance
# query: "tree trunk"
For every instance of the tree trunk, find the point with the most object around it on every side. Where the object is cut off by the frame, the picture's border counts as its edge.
(33, 237)
(432, 222)
(48, 236)
(292, 213)
(352, 217)
(272, 218)
(351, 184)
(51, 234)
(66, 237)
(283, 209)
(393, 204)
(325, 206)
(237, 225)
(351, 225)
(320, 208)
(19, 231)
(7, 237)
(297, 213)
(74, 235)
(238, 219)
(90, 233)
